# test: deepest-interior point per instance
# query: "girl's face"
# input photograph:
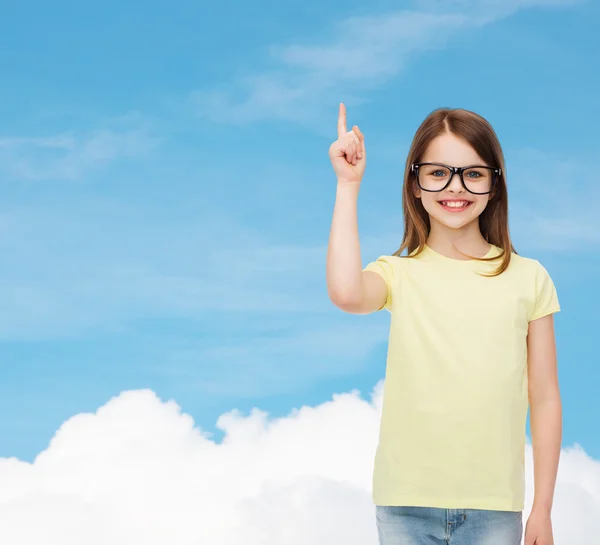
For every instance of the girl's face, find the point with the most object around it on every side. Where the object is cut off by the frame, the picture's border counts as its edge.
(454, 207)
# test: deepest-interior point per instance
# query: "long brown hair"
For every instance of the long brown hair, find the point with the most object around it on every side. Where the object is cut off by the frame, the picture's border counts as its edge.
(493, 221)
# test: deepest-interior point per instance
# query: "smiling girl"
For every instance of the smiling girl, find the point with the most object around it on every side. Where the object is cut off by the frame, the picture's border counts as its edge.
(471, 342)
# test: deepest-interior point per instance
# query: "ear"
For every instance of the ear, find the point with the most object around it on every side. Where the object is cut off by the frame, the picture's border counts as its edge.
(415, 186)
(416, 189)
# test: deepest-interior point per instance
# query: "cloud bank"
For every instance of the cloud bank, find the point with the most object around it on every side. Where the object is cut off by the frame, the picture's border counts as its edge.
(139, 471)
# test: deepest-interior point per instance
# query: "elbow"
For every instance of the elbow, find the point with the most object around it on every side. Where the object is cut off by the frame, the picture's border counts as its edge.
(348, 302)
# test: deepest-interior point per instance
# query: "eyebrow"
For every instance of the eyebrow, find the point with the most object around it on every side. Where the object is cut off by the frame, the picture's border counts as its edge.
(477, 164)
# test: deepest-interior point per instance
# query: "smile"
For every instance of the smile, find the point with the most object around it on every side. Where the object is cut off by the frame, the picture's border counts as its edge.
(455, 206)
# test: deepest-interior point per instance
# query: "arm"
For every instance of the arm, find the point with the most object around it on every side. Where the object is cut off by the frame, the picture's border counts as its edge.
(350, 288)
(545, 410)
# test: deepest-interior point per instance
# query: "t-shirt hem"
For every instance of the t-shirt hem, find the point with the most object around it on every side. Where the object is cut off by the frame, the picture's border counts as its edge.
(544, 313)
(492, 504)
(374, 268)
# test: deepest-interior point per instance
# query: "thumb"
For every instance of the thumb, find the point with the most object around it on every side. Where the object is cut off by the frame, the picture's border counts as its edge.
(529, 538)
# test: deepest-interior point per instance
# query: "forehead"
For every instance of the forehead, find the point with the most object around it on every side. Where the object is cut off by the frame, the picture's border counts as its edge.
(452, 150)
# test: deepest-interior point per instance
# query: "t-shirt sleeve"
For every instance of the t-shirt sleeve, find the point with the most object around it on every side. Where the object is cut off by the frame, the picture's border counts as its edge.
(384, 267)
(546, 298)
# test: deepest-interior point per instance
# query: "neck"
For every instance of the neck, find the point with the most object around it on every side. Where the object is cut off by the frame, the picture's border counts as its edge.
(450, 242)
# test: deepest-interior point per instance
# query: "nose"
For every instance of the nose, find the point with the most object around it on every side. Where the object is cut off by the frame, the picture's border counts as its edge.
(455, 185)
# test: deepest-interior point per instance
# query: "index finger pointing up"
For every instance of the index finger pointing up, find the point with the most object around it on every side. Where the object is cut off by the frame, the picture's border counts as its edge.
(342, 130)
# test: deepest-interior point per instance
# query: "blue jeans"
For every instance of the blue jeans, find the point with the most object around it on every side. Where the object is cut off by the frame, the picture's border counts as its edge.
(437, 526)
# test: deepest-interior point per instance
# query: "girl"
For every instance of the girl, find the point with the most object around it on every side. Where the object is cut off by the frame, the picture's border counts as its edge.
(471, 343)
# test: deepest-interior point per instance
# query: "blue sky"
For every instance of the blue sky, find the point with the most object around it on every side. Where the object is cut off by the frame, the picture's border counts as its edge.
(166, 194)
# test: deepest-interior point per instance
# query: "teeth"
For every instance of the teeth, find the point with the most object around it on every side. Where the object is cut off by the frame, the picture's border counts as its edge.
(455, 204)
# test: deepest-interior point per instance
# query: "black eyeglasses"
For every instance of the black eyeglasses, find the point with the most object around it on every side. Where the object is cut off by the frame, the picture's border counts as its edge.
(436, 177)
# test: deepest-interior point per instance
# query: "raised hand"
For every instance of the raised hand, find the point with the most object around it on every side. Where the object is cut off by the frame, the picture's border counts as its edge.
(348, 155)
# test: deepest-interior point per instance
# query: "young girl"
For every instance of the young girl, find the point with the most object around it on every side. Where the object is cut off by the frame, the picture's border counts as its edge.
(471, 343)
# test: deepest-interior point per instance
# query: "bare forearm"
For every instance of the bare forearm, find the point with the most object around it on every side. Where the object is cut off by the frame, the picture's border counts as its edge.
(546, 436)
(344, 265)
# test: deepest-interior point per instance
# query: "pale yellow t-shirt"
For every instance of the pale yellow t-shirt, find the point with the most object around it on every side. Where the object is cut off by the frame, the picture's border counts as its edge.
(453, 423)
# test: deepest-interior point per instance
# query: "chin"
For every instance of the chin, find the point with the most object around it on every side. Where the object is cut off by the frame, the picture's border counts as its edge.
(456, 224)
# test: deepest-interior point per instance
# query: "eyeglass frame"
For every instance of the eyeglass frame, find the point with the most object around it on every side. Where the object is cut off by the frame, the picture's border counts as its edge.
(456, 170)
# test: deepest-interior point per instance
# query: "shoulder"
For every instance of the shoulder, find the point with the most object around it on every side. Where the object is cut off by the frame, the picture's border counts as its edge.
(527, 265)
(386, 260)
(523, 263)
(392, 262)
(528, 272)
(384, 265)
(530, 275)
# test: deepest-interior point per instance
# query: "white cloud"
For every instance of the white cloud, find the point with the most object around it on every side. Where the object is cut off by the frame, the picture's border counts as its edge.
(363, 51)
(367, 51)
(138, 471)
(69, 156)
(551, 200)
